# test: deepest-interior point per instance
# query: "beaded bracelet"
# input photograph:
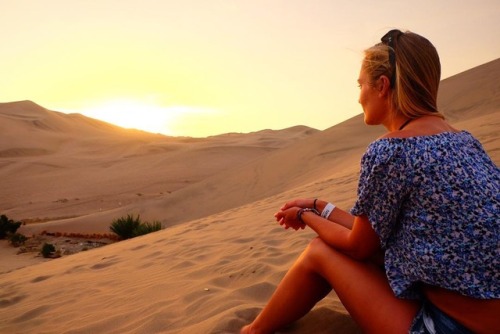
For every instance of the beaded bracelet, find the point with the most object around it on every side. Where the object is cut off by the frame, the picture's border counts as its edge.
(301, 211)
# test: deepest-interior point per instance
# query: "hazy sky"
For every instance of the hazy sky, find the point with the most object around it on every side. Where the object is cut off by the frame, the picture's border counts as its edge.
(205, 67)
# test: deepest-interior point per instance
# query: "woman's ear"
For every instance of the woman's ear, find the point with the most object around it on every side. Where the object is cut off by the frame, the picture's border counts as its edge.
(383, 85)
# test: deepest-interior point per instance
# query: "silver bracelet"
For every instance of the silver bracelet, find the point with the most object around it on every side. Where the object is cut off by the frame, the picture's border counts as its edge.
(301, 211)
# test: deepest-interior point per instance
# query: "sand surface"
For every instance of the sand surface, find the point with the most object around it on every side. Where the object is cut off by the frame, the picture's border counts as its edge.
(220, 254)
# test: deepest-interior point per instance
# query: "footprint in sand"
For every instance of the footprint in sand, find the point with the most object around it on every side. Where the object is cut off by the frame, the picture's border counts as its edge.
(40, 278)
(32, 314)
(138, 247)
(75, 269)
(6, 302)
(106, 264)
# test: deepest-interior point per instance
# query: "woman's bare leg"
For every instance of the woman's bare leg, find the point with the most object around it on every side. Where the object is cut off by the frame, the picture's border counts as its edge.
(362, 287)
(296, 295)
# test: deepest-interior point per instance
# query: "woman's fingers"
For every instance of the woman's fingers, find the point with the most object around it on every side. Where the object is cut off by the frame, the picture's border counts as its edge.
(298, 202)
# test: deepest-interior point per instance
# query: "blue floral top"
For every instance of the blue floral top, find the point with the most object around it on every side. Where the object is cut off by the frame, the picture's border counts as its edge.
(434, 202)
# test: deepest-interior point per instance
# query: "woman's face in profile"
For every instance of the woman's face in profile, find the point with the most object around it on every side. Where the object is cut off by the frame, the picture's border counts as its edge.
(368, 98)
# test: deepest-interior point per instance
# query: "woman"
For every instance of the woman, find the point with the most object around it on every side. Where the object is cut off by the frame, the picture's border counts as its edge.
(419, 250)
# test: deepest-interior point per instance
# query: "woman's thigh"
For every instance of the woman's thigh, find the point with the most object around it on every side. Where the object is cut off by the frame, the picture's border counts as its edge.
(363, 289)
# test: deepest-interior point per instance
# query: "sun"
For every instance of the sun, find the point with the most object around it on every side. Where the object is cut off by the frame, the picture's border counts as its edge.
(133, 114)
(151, 116)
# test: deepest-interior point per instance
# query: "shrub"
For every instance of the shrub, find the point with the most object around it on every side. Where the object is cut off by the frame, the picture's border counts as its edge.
(125, 227)
(47, 250)
(130, 227)
(17, 239)
(147, 228)
(7, 226)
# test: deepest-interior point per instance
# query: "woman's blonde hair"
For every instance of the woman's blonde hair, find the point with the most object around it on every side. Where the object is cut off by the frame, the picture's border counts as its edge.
(415, 78)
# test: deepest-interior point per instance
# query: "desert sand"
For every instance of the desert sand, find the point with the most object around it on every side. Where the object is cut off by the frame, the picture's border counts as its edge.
(220, 254)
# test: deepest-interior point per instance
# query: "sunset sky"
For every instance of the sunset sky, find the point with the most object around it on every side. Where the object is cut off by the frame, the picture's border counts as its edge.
(206, 67)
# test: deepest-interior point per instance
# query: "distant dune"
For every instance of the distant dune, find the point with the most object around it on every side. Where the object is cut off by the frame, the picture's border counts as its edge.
(221, 254)
(101, 169)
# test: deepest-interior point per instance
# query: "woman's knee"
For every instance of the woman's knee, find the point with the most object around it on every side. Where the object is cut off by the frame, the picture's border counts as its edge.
(317, 251)
(316, 244)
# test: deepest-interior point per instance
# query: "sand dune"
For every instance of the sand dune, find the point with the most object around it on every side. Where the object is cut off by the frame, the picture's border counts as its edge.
(100, 167)
(221, 254)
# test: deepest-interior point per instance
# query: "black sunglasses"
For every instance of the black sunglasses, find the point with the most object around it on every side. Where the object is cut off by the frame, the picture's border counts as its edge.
(389, 39)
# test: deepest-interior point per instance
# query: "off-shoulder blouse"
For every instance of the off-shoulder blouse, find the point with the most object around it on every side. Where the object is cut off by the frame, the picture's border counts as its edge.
(434, 203)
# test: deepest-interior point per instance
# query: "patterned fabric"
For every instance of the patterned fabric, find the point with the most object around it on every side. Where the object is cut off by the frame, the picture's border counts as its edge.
(434, 202)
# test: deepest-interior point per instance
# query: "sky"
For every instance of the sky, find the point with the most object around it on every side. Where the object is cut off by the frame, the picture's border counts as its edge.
(206, 67)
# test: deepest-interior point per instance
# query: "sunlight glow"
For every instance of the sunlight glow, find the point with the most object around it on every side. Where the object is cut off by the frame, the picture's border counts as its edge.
(136, 114)
(132, 114)
(201, 68)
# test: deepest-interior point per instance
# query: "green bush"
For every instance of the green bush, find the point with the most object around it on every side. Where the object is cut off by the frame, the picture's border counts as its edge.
(47, 250)
(147, 228)
(130, 227)
(17, 239)
(8, 226)
(125, 227)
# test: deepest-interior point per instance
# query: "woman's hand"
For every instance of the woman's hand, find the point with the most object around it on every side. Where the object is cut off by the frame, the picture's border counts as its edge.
(288, 218)
(299, 202)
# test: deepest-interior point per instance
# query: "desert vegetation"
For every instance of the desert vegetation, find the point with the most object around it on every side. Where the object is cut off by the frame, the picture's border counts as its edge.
(48, 250)
(130, 227)
(8, 230)
(57, 244)
(8, 226)
(17, 239)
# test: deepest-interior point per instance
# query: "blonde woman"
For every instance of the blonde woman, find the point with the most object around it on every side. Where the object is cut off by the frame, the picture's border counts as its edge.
(419, 251)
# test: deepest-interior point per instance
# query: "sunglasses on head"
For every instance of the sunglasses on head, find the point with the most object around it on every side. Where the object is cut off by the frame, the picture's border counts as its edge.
(389, 39)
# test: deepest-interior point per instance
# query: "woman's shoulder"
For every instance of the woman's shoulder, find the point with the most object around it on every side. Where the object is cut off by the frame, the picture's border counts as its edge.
(425, 126)
(392, 139)
(398, 149)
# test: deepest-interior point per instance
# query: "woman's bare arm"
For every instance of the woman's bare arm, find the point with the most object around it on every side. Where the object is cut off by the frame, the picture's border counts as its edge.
(338, 215)
(360, 242)
(349, 234)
